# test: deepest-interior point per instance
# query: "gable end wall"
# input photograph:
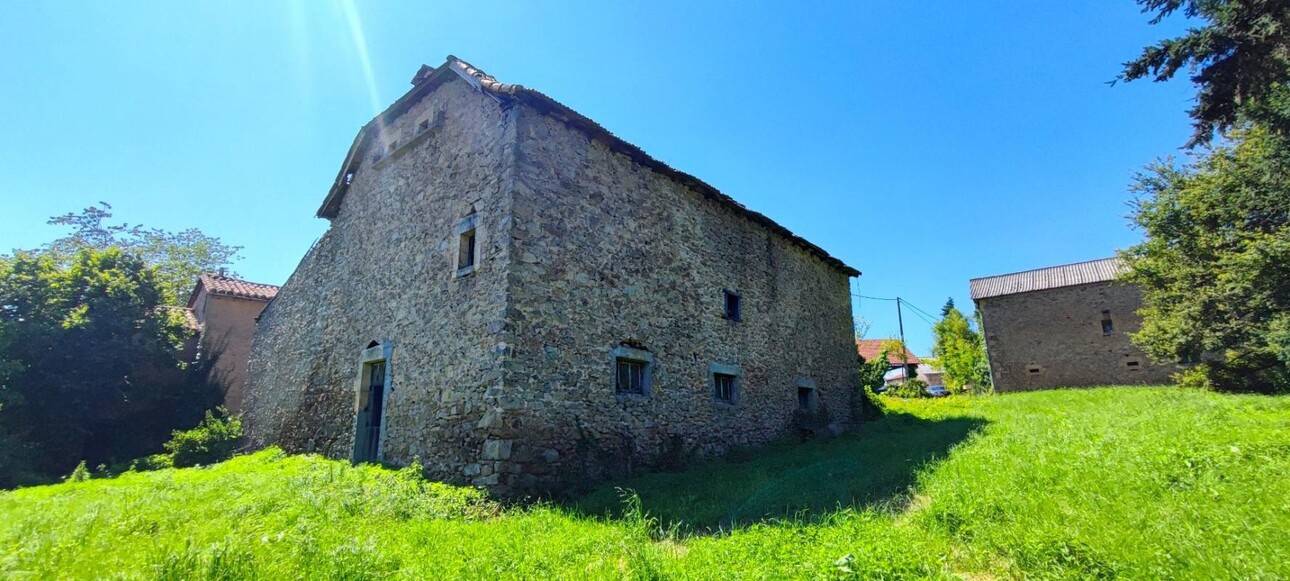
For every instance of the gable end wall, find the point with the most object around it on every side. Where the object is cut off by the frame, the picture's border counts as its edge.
(386, 271)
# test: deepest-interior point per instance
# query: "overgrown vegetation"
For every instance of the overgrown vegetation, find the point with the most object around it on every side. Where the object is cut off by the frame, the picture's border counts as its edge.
(1059, 484)
(1213, 264)
(213, 440)
(98, 371)
(93, 365)
(867, 405)
(912, 387)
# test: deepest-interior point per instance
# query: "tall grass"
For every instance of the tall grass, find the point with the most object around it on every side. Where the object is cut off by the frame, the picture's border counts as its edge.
(1117, 482)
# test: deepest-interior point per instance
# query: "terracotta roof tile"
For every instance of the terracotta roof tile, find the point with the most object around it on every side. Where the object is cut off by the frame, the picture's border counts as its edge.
(1102, 270)
(870, 348)
(232, 287)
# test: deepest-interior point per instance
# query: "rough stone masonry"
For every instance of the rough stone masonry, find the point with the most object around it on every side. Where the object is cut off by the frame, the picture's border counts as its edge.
(518, 299)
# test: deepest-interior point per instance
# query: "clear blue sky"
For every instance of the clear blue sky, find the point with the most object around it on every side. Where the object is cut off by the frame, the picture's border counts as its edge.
(925, 143)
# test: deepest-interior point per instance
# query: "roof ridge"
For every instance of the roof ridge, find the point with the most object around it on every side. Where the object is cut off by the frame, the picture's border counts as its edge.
(428, 78)
(1045, 268)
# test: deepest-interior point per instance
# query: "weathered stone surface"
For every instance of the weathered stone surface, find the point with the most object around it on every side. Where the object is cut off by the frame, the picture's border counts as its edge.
(496, 450)
(1058, 332)
(505, 377)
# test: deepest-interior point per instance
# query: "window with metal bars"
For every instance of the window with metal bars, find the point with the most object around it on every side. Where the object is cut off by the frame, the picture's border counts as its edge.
(630, 377)
(723, 387)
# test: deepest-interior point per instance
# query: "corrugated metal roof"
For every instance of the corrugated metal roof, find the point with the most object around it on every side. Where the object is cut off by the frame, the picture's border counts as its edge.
(1102, 270)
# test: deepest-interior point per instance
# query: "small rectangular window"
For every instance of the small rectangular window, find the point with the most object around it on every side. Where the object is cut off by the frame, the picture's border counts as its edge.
(466, 250)
(1133, 365)
(630, 377)
(1107, 327)
(724, 387)
(1033, 369)
(733, 307)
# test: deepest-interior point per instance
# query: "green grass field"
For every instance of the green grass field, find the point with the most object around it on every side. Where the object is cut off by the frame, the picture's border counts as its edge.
(1144, 483)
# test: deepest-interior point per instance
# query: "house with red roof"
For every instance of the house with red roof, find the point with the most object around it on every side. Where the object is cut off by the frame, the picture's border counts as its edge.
(224, 310)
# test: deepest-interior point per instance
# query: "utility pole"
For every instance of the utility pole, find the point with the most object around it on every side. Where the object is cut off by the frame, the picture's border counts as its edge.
(904, 353)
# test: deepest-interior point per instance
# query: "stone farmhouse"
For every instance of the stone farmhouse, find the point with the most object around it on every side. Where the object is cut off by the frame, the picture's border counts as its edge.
(518, 298)
(1063, 326)
(223, 311)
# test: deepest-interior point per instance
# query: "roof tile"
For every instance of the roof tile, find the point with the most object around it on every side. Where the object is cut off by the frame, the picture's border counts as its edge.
(232, 287)
(870, 348)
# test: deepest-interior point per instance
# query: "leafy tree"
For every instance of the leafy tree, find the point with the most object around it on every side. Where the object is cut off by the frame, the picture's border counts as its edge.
(960, 351)
(1239, 60)
(871, 379)
(178, 256)
(871, 372)
(893, 345)
(1214, 267)
(92, 368)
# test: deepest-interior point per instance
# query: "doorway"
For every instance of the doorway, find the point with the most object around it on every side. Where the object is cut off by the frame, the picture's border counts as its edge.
(367, 437)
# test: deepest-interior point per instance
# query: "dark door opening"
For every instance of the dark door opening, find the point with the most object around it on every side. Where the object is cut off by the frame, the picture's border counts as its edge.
(370, 428)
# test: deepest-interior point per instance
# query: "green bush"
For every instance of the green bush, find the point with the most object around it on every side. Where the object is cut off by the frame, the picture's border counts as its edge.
(867, 406)
(214, 440)
(911, 388)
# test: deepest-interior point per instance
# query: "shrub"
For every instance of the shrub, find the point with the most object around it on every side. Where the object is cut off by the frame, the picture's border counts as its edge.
(80, 474)
(214, 440)
(911, 388)
(867, 406)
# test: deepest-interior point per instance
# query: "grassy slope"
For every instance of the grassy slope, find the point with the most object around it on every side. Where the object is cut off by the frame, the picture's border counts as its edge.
(1140, 483)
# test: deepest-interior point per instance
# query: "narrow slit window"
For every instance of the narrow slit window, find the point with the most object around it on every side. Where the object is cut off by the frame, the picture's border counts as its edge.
(466, 250)
(733, 306)
(1033, 369)
(1107, 326)
(723, 387)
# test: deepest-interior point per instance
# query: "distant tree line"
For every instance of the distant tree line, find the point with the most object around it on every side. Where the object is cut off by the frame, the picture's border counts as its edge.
(93, 366)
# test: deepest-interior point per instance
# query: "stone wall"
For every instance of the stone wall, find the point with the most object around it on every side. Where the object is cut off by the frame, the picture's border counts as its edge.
(386, 271)
(609, 252)
(1053, 338)
(504, 377)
